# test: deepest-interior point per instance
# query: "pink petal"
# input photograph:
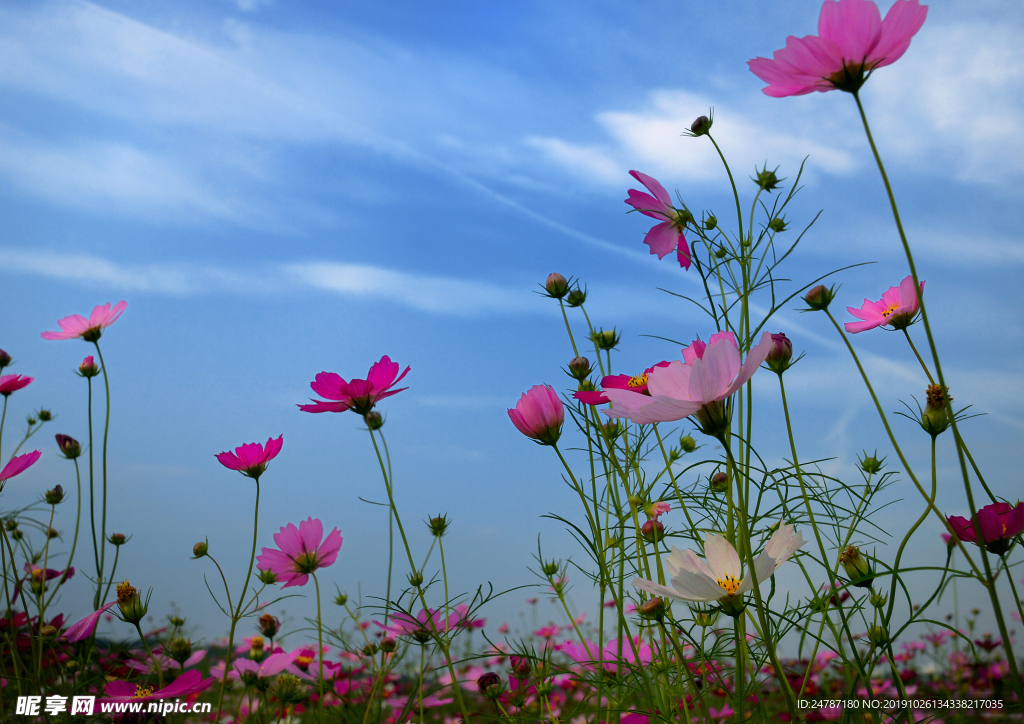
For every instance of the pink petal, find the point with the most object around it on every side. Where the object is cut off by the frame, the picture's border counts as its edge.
(329, 385)
(272, 448)
(84, 628)
(854, 25)
(901, 23)
(382, 374)
(662, 238)
(321, 406)
(755, 358)
(19, 464)
(647, 204)
(312, 532)
(653, 186)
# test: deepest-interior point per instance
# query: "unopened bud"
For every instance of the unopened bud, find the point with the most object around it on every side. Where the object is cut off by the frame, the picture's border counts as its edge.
(16, 534)
(701, 126)
(710, 223)
(857, 567)
(133, 609)
(705, 618)
(878, 635)
(767, 180)
(549, 569)
(935, 419)
(687, 443)
(605, 339)
(489, 684)
(781, 354)
(870, 464)
(438, 525)
(652, 608)
(88, 368)
(341, 599)
(5, 359)
(388, 644)
(44, 415)
(10, 524)
(269, 625)
(267, 577)
(878, 599)
(556, 285)
(374, 420)
(819, 298)
(521, 666)
(721, 252)
(118, 539)
(69, 446)
(576, 297)
(176, 621)
(199, 549)
(370, 649)
(55, 495)
(48, 632)
(718, 483)
(52, 533)
(612, 429)
(778, 224)
(652, 531)
(415, 579)
(179, 649)
(579, 368)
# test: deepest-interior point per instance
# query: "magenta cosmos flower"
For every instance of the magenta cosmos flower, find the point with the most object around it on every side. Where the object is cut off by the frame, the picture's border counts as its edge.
(636, 383)
(88, 329)
(668, 235)
(84, 628)
(999, 522)
(852, 41)
(897, 309)
(19, 464)
(699, 385)
(13, 383)
(302, 551)
(358, 395)
(539, 415)
(251, 459)
(191, 682)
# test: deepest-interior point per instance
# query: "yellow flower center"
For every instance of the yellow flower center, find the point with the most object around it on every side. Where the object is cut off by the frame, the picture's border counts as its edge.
(257, 642)
(731, 584)
(303, 661)
(637, 380)
(125, 591)
(890, 309)
(141, 692)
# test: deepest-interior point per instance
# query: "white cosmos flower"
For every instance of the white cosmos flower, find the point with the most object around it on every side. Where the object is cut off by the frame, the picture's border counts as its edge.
(694, 580)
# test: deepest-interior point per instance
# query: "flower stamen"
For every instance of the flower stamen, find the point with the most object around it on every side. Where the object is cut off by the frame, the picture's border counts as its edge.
(731, 584)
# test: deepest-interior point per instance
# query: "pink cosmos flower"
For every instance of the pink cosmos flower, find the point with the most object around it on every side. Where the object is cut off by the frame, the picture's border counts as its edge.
(84, 628)
(88, 329)
(999, 523)
(897, 308)
(358, 395)
(251, 459)
(668, 235)
(270, 666)
(13, 383)
(658, 509)
(302, 551)
(699, 385)
(539, 415)
(191, 682)
(19, 464)
(636, 383)
(424, 626)
(852, 41)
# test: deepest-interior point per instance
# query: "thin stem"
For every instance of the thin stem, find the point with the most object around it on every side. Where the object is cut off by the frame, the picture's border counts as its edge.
(320, 640)
(106, 434)
(918, 355)
(156, 664)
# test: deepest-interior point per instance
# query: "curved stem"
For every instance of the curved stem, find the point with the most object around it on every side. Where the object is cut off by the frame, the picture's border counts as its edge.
(156, 664)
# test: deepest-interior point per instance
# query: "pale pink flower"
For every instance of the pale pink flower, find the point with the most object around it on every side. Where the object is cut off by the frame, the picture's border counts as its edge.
(358, 395)
(722, 576)
(13, 383)
(667, 236)
(302, 551)
(251, 459)
(423, 626)
(658, 509)
(270, 666)
(539, 415)
(708, 374)
(88, 329)
(852, 41)
(19, 464)
(897, 308)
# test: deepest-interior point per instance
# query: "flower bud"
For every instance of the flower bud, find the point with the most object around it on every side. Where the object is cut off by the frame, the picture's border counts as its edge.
(521, 666)
(586, 386)
(52, 533)
(415, 579)
(732, 605)
(288, 689)
(5, 359)
(88, 368)
(652, 608)
(374, 420)
(705, 618)
(388, 644)
(579, 368)
(857, 567)
(267, 577)
(257, 650)
(819, 297)
(767, 180)
(44, 415)
(778, 224)
(370, 649)
(269, 625)
(48, 632)
(612, 429)
(16, 534)
(54, 496)
(605, 339)
(438, 525)
(133, 610)
(687, 444)
(341, 599)
(118, 539)
(176, 621)
(718, 483)
(199, 549)
(576, 297)
(652, 530)
(879, 636)
(556, 286)
(870, 464)
(31, 418)
(10, 524)
(179, 649)
(711, 222)
(778, 359)
(549, 569)
(878, 599)
(701, 126)
(489, 684)
(721, 252)
(69, 446)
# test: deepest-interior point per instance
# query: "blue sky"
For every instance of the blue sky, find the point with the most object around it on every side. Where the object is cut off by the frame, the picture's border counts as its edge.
(283, 188)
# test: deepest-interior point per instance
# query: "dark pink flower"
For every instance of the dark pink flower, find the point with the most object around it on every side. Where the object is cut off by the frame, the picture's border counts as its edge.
(19, 464)
(358, 395)
(852, 41)
(999, 523)
(668, 235)
(539, 415)
(251, 459)
(13, 383)
(897, 308)
(636, 383)
(302, 551)
(191, 682)
(84, 628)
(88, 329)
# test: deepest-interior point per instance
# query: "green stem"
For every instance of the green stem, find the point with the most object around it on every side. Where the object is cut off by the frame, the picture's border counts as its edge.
(106, 434)
(156, 664)
(320, 639)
